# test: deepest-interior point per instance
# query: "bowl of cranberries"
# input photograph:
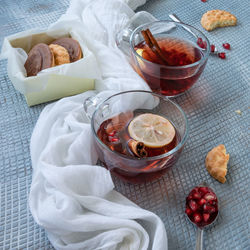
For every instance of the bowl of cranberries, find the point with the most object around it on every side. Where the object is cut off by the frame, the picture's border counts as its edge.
(202, 206)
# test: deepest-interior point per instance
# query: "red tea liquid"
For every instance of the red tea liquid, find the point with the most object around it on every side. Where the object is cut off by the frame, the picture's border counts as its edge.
(117, 139)
(170, 81)
(130, 168)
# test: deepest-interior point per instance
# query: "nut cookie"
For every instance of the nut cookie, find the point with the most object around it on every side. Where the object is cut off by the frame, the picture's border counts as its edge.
(217, 18)
(61, 55)
(216, 163)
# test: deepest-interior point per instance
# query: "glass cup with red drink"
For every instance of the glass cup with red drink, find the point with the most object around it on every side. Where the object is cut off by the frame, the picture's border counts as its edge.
(167, 57)
(138, 135)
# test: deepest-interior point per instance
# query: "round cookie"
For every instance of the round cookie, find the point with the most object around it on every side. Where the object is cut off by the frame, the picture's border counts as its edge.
(61, 55)
(40, 57)
(72, 46)
(217, 18)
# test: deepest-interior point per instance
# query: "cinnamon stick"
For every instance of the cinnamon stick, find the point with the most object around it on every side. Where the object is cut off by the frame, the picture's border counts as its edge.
(138, 148)
(153, 45)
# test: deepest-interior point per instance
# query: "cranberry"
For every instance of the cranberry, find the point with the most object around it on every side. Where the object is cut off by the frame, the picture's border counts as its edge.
(193, 205)
(188, 211)
(206, 217)
(226, 45)
(202, 202)
(222, 55)
(197, 218)
(212, 47)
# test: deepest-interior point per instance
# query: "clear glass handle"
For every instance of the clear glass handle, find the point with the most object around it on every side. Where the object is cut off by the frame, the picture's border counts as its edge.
(90, 105)
(199, 239)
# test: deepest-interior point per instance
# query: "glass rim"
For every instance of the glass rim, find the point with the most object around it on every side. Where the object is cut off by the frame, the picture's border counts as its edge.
(201, 61)
(171, 152)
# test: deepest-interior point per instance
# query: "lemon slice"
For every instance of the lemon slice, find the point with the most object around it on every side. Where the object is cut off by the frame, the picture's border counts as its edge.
(139, 52)
(153, 130)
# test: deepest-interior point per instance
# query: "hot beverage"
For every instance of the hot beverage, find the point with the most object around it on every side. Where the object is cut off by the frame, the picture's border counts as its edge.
(171, 65)
(139, 135)
(115, 134)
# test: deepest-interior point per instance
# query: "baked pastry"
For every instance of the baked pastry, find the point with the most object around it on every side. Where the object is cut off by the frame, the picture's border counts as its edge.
(216, 163)
(40, 57)
(61, 55)
(72, 46)
(217, 18)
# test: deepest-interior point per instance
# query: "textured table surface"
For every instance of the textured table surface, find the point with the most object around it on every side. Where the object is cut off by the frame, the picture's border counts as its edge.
(210, 106)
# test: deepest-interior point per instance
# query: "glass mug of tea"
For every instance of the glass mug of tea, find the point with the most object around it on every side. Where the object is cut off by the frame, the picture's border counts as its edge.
(166, 55)
(138, 135)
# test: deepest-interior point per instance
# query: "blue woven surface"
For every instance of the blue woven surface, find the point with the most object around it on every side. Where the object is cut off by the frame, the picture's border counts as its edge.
(210, 106)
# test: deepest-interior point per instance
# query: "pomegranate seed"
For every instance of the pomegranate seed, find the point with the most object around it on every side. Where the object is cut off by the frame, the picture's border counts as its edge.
(205, 44)
(226, 45)
(208, 208)
(212, 47)
(203, 190)
(222, 55)
(196, 195)
(203, 1)
(114, 139)
(212, 203)
(193, 205)
(188, 211)
(206, 217)
(210, 197)
(197, 218)
(202, 202)
(112, 133)
(199, 41)
(190, 197)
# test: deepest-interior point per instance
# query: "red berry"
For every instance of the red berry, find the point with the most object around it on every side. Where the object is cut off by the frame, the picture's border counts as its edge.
(112, 133)
(212, 47)
(226, 45)
(197, 218)
(204, 44)
(193, 205)
(203, 190)
(210, 197)
(199, 41)
(188, 211)
(206, 217)
(209, 209)
(202, 202)
(222, 55)
(196, 195)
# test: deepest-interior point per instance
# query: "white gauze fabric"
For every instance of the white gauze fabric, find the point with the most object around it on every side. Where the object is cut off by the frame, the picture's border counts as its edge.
(71, 197)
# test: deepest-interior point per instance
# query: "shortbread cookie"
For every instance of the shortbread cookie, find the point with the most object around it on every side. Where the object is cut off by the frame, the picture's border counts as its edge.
(72, 46)
(40, 57)
(217, 18)
(61, 55)
(216, 163)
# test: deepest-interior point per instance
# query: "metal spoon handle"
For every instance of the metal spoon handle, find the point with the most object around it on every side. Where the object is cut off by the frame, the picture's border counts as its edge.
(199, 239)
(176, 19)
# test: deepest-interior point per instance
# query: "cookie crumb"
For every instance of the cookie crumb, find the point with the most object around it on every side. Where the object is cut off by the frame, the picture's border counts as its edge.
(238, 112)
